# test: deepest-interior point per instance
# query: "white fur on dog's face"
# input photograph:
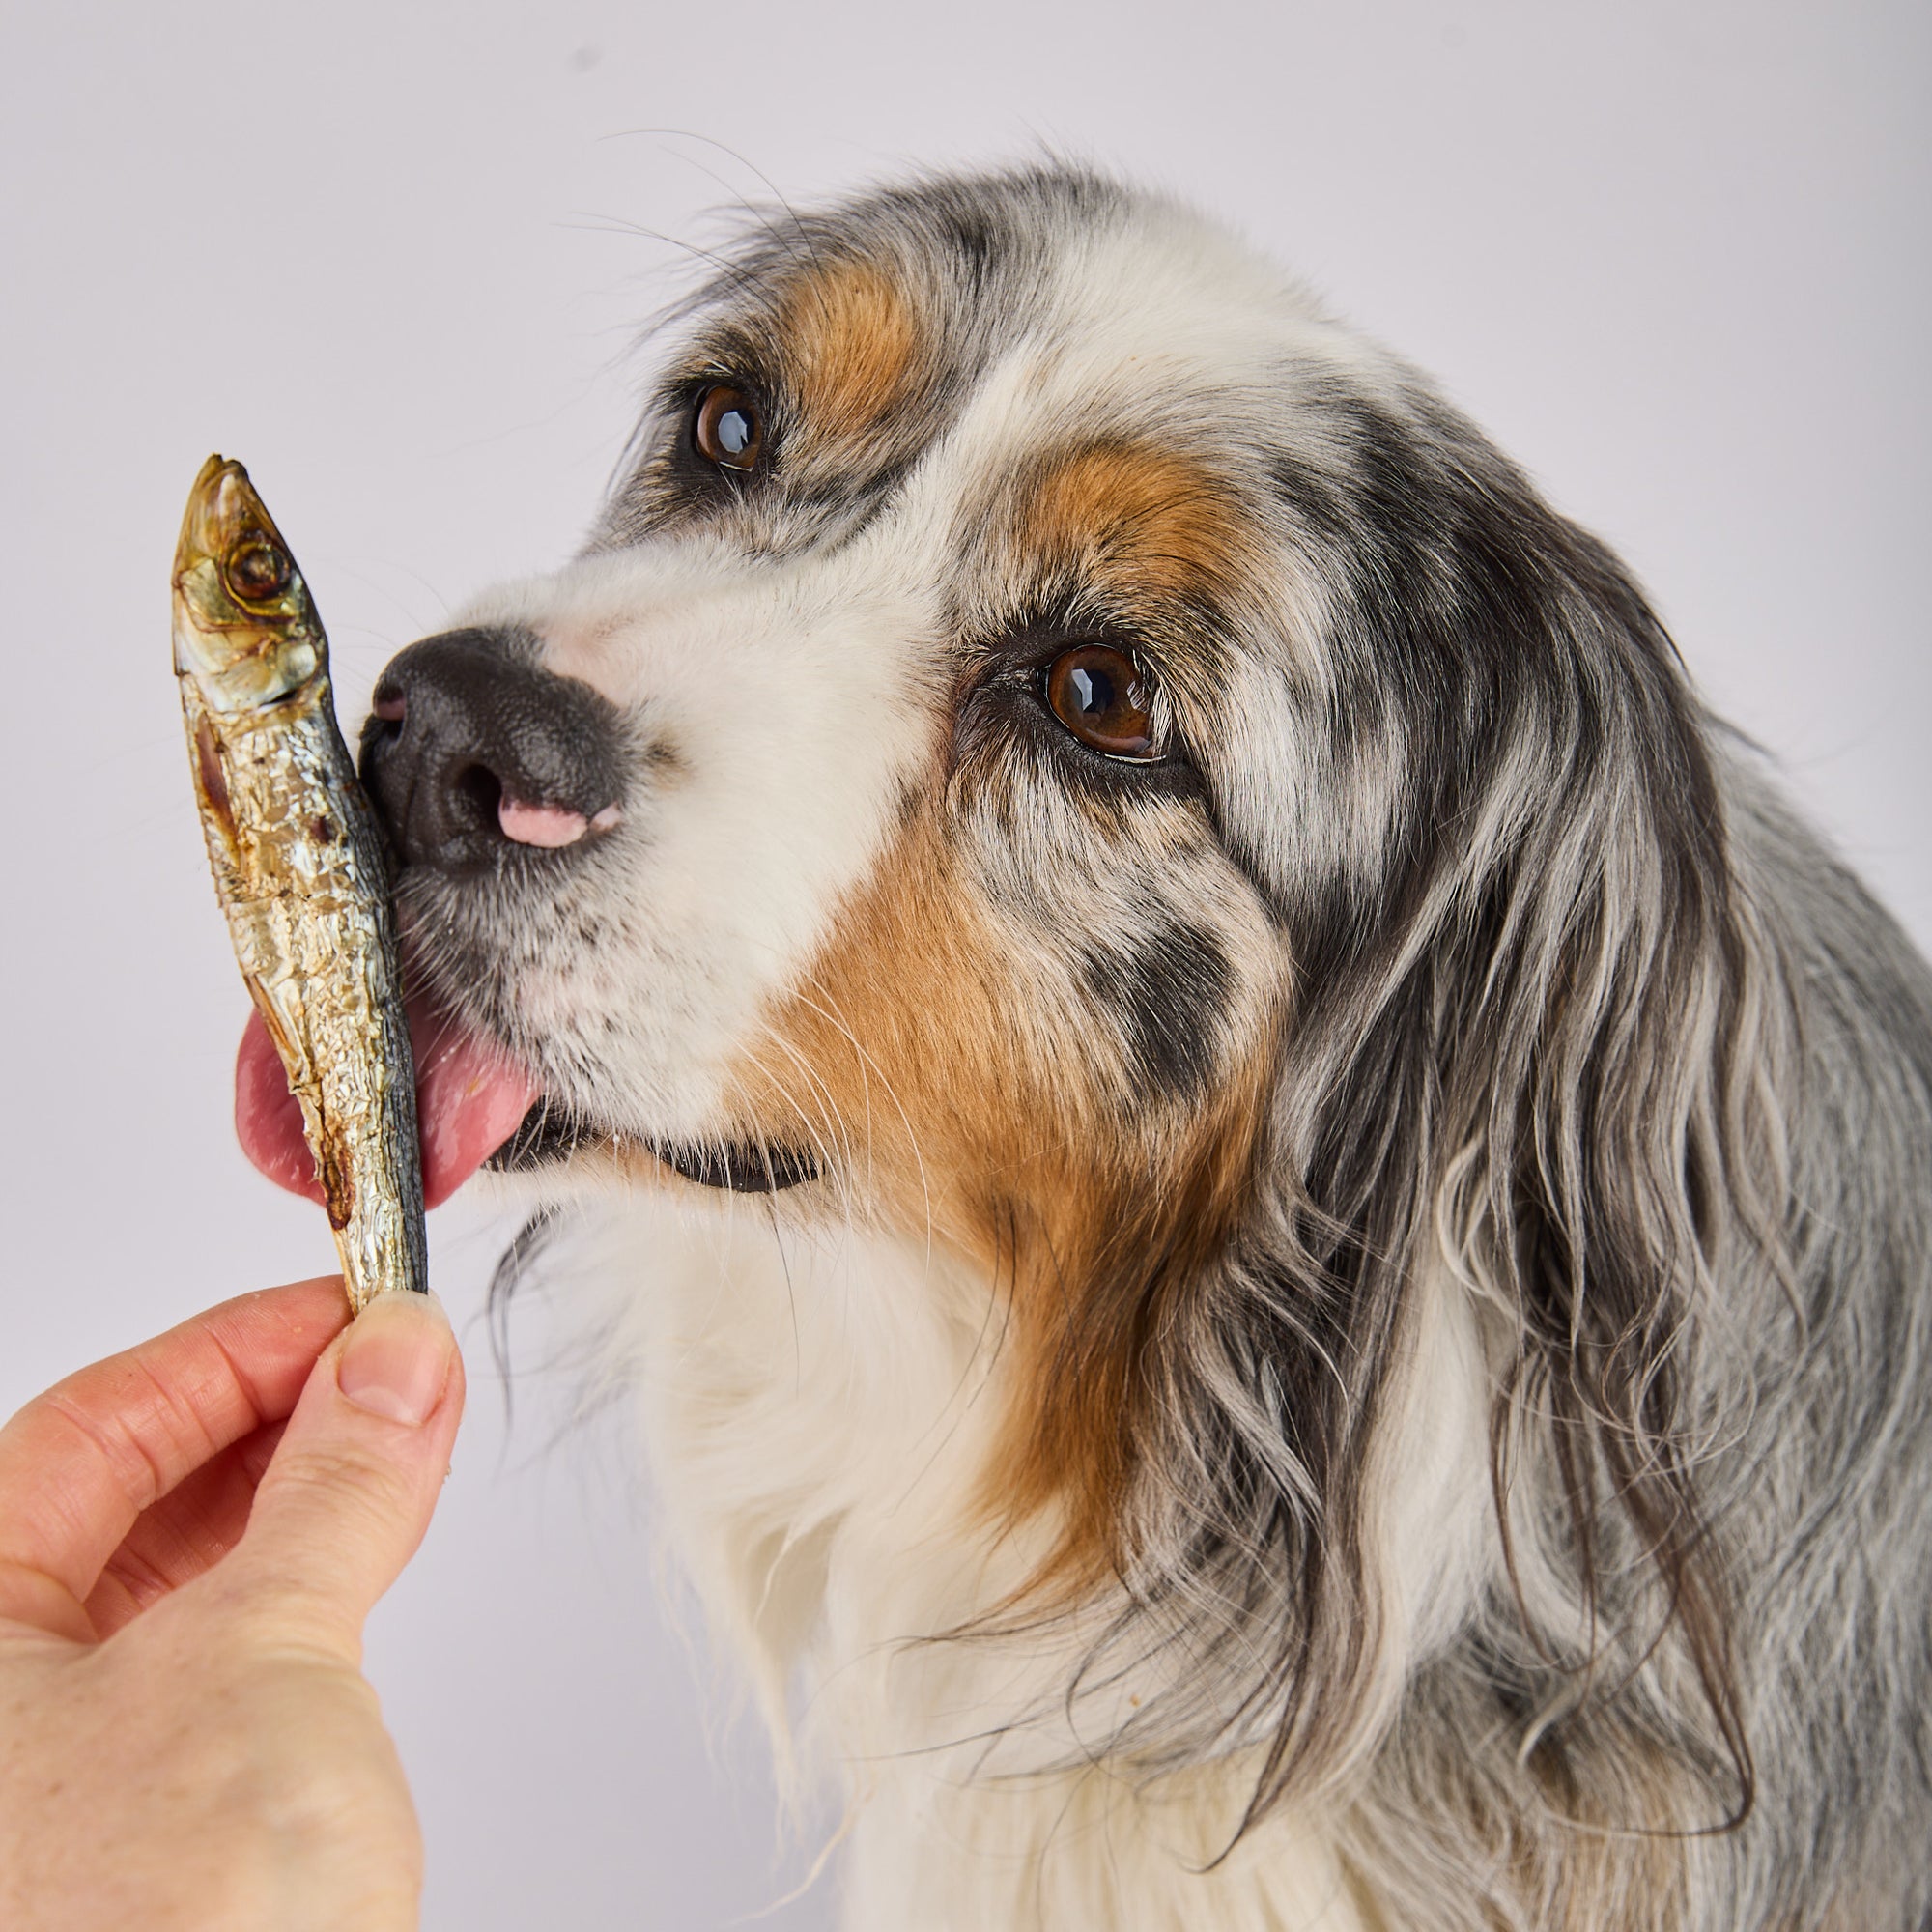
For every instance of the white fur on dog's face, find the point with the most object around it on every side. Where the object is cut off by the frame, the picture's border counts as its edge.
(780, 709)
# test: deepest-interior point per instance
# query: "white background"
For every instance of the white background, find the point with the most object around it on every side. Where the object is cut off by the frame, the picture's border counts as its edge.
(1672, 253)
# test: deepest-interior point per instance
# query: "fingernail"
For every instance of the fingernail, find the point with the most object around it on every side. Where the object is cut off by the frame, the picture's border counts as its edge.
(395, 1363)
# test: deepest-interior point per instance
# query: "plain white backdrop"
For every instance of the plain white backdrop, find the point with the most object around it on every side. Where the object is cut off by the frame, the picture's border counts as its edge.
(394, 256)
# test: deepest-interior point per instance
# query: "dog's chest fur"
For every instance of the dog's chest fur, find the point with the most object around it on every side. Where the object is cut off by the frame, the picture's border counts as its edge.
(820, 1412)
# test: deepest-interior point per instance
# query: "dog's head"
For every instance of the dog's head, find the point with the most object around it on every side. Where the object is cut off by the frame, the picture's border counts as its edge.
(1058, 747)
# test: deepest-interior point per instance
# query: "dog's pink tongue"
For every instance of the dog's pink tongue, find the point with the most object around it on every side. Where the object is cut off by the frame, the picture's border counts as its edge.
(468, 1102)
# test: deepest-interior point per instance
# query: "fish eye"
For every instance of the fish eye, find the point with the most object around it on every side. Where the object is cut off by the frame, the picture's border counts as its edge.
(728, 429)
(1098, 694)
(259, 572)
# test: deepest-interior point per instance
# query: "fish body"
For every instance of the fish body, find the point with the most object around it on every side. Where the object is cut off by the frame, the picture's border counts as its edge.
(299, 870)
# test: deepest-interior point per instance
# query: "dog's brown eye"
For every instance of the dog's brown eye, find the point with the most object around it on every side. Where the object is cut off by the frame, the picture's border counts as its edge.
(1098, 696)
(729, 431)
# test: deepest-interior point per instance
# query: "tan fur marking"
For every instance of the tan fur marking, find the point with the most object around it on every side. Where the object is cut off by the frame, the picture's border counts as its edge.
(1143, 521)
(945, 1085)
(898, 1046)
(852, 343)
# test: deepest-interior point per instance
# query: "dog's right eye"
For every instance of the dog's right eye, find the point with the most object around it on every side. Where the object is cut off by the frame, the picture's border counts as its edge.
(728, 430)
(1098, 694)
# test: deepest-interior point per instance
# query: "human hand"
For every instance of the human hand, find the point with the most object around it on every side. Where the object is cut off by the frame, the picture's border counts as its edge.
(191, 1535)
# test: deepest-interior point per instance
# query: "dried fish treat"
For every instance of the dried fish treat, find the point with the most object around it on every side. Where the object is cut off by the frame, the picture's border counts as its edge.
(299, 870)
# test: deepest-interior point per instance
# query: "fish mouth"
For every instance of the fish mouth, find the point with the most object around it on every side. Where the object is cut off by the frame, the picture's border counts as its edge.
(549, 1134)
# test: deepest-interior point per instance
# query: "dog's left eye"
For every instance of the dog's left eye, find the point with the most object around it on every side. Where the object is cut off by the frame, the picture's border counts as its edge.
(728, 430)
(1099, 695)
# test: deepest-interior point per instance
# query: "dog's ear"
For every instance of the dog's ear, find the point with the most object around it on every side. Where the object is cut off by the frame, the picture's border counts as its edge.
(1601, 1135)
(1521, 1050)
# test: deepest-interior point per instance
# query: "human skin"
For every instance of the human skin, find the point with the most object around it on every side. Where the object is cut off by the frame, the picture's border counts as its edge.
(191, 1537)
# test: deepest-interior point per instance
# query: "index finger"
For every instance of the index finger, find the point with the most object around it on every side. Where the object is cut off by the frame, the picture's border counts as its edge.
(81, 1462)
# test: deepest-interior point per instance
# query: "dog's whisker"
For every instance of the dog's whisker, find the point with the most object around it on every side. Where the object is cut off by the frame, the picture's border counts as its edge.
(870, 1069)
(827, 1132)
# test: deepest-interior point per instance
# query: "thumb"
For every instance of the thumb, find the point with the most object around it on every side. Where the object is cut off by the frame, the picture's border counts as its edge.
(354, 1480)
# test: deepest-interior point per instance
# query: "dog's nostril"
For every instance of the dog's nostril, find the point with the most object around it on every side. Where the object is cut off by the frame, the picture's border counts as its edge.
(483, 789)
(389, 705)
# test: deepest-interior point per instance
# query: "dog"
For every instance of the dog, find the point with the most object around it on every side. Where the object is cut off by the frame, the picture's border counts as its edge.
(1272, 1211)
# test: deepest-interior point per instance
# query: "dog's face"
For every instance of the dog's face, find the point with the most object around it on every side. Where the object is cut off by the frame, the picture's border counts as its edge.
(1060, 750)
(953, 648)
(965, 696)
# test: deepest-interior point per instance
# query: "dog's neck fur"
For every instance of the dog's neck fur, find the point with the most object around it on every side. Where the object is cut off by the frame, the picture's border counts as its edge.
(821, 1412)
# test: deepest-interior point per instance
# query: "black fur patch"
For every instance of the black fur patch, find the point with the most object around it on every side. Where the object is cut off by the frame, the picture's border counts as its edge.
(1170, 994)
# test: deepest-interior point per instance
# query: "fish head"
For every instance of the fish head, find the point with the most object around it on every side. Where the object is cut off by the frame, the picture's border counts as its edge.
(244, 628)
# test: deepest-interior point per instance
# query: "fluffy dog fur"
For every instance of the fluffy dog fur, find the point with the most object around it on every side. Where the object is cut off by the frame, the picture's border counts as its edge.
(1356, 1355)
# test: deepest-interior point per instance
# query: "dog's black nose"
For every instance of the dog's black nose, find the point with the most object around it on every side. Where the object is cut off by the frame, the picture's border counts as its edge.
(474, 750)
